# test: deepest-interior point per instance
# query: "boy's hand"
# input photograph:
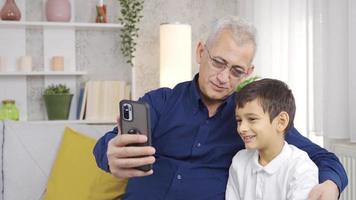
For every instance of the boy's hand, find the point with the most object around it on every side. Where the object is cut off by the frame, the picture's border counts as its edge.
(324, 191)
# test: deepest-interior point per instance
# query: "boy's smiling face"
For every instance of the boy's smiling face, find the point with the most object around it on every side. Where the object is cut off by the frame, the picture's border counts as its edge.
(255, 127)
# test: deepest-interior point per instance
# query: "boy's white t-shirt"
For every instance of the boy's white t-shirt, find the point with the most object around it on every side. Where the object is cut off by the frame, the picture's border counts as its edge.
(290, 175)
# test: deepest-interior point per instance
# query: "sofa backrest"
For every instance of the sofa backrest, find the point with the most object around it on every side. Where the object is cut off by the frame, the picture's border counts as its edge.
(29, 150)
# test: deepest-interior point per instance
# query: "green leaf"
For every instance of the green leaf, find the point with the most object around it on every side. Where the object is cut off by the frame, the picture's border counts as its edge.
(245, 82)
(56, 89)
(130, 17)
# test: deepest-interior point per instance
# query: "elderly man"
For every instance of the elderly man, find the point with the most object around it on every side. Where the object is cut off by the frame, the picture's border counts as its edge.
(194, 129)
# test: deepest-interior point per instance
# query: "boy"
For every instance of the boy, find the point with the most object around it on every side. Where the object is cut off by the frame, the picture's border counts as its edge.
(269, 168)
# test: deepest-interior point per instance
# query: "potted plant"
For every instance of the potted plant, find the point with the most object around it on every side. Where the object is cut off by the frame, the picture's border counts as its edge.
(57, 100)
(130, 17)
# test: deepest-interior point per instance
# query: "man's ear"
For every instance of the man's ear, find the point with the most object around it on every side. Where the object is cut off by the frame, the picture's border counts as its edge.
(282, 121)
(199, 52)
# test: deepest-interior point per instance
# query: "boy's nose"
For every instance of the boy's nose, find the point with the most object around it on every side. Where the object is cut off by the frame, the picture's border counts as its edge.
(242, 127)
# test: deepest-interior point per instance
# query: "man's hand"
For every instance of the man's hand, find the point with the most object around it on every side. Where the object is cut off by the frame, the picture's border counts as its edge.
(123, 159)
(325, 191)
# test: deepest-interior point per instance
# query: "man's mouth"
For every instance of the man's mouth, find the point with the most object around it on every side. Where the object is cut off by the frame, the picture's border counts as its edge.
(217, 87)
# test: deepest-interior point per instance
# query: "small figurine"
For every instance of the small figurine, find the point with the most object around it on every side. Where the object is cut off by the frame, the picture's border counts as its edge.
(101, 16)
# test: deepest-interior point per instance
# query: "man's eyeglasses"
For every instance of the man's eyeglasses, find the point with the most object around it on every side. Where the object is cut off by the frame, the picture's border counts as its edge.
(220, 65)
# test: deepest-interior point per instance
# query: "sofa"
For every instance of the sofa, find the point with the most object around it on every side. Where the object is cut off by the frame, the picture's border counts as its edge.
(28, 151)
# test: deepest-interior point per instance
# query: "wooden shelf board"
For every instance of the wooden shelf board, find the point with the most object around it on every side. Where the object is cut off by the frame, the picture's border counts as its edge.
(43, 73)
(75, 25)
(72, 122)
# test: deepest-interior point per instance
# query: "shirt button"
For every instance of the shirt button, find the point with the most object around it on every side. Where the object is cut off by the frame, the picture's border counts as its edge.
(179, 177)
(198, 145)
(207, 122)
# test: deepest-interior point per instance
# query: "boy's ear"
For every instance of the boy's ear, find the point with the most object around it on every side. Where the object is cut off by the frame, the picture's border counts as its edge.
(283, 120)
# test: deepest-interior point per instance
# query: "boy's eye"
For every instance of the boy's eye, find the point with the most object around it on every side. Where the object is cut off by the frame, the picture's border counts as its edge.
(238, 121)
(251, 119)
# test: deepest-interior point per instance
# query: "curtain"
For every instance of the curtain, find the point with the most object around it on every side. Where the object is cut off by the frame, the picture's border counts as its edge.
(311, 45)
(283, 48)
(335, 70)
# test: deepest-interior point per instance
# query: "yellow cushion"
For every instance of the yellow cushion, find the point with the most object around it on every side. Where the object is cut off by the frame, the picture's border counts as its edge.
(75, 175)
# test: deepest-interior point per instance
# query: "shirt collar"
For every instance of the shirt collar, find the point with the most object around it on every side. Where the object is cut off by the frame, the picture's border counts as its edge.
(228, 106)
(275, 164)
(195, 94)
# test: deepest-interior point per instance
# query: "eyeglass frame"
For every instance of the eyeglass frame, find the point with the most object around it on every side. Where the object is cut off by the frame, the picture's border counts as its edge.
(224, 65)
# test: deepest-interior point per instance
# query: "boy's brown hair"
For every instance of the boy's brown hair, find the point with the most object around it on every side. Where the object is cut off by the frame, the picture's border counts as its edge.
(273, 95)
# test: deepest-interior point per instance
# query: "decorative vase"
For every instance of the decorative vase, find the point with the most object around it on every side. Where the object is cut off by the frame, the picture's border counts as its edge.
(9, 110)
(10, 11)
(57, 63)
(58, 10)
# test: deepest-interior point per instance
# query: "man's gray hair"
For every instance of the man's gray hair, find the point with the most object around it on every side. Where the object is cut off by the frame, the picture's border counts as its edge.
(242, 31)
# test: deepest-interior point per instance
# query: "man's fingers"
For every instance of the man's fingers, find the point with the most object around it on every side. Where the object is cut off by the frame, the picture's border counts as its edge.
(128, 173)
(324, 191)
(313, 197)
(129, 152)
(124, 158)
(126, 139)
(125, 167)
(134, 162)
(315, 193)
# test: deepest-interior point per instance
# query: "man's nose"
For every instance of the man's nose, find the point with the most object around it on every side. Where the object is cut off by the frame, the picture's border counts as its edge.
(223, 76)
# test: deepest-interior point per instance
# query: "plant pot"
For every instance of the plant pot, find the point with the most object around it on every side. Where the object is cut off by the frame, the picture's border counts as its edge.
(58, 106)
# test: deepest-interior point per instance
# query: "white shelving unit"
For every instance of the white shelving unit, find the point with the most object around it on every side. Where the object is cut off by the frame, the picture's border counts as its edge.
(43, 73)
(58, 40)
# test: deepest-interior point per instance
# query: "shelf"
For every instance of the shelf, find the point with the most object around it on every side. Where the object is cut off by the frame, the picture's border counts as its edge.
(72, 122)
(45, 40)
(76, 25)
(43, 73)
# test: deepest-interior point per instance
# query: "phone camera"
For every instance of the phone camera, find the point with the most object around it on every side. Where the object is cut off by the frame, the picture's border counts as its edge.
(132, 132)
(127, 112)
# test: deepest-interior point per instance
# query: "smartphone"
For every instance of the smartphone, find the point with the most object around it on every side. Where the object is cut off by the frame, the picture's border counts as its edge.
(135, 119)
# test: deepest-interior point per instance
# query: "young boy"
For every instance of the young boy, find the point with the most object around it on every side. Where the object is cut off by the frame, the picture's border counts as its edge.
(269, 168)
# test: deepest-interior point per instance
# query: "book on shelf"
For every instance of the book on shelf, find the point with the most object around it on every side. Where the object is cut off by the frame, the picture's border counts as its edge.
(93, 97)
(80, 103)
(100, 100)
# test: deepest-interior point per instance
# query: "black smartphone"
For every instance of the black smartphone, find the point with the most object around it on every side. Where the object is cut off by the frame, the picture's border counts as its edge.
(135, 119)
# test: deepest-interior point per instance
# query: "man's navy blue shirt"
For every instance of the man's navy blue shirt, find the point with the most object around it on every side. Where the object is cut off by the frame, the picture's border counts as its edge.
(194, 151)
